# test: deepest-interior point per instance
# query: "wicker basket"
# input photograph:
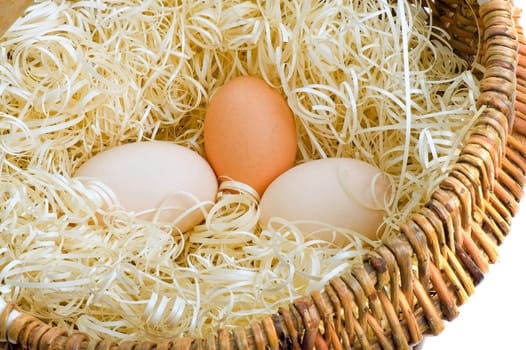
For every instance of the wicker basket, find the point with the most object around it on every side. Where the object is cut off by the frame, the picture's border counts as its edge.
(409, 285)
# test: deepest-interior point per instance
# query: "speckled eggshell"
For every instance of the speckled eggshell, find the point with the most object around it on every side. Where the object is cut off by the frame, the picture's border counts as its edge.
(346, 193)
(156, 175)
(249, 133)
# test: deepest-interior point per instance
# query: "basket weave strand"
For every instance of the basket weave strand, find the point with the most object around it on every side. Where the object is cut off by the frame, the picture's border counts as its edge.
(408, 286)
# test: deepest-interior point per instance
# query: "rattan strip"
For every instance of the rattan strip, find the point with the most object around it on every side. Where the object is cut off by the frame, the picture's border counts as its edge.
(386, 303)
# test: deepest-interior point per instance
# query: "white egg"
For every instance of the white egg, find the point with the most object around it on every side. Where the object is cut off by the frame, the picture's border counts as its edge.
(157, 180)
(342, 192)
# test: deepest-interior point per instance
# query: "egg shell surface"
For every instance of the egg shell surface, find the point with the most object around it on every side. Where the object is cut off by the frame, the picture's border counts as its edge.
(249, 133)
(345, 193)
(156, 175)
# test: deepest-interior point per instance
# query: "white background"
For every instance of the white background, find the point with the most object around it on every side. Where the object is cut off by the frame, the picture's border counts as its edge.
(494, 317)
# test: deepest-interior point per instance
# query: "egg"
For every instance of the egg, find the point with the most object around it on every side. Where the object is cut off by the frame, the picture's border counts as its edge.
(156, 180)
(249, 133)
(342, 192)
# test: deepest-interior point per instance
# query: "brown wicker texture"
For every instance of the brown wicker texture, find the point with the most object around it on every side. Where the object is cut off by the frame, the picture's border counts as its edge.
(10, 11)
(408, 286)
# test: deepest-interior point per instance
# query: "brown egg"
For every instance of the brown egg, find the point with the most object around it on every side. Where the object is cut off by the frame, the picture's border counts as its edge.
(249, 133)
